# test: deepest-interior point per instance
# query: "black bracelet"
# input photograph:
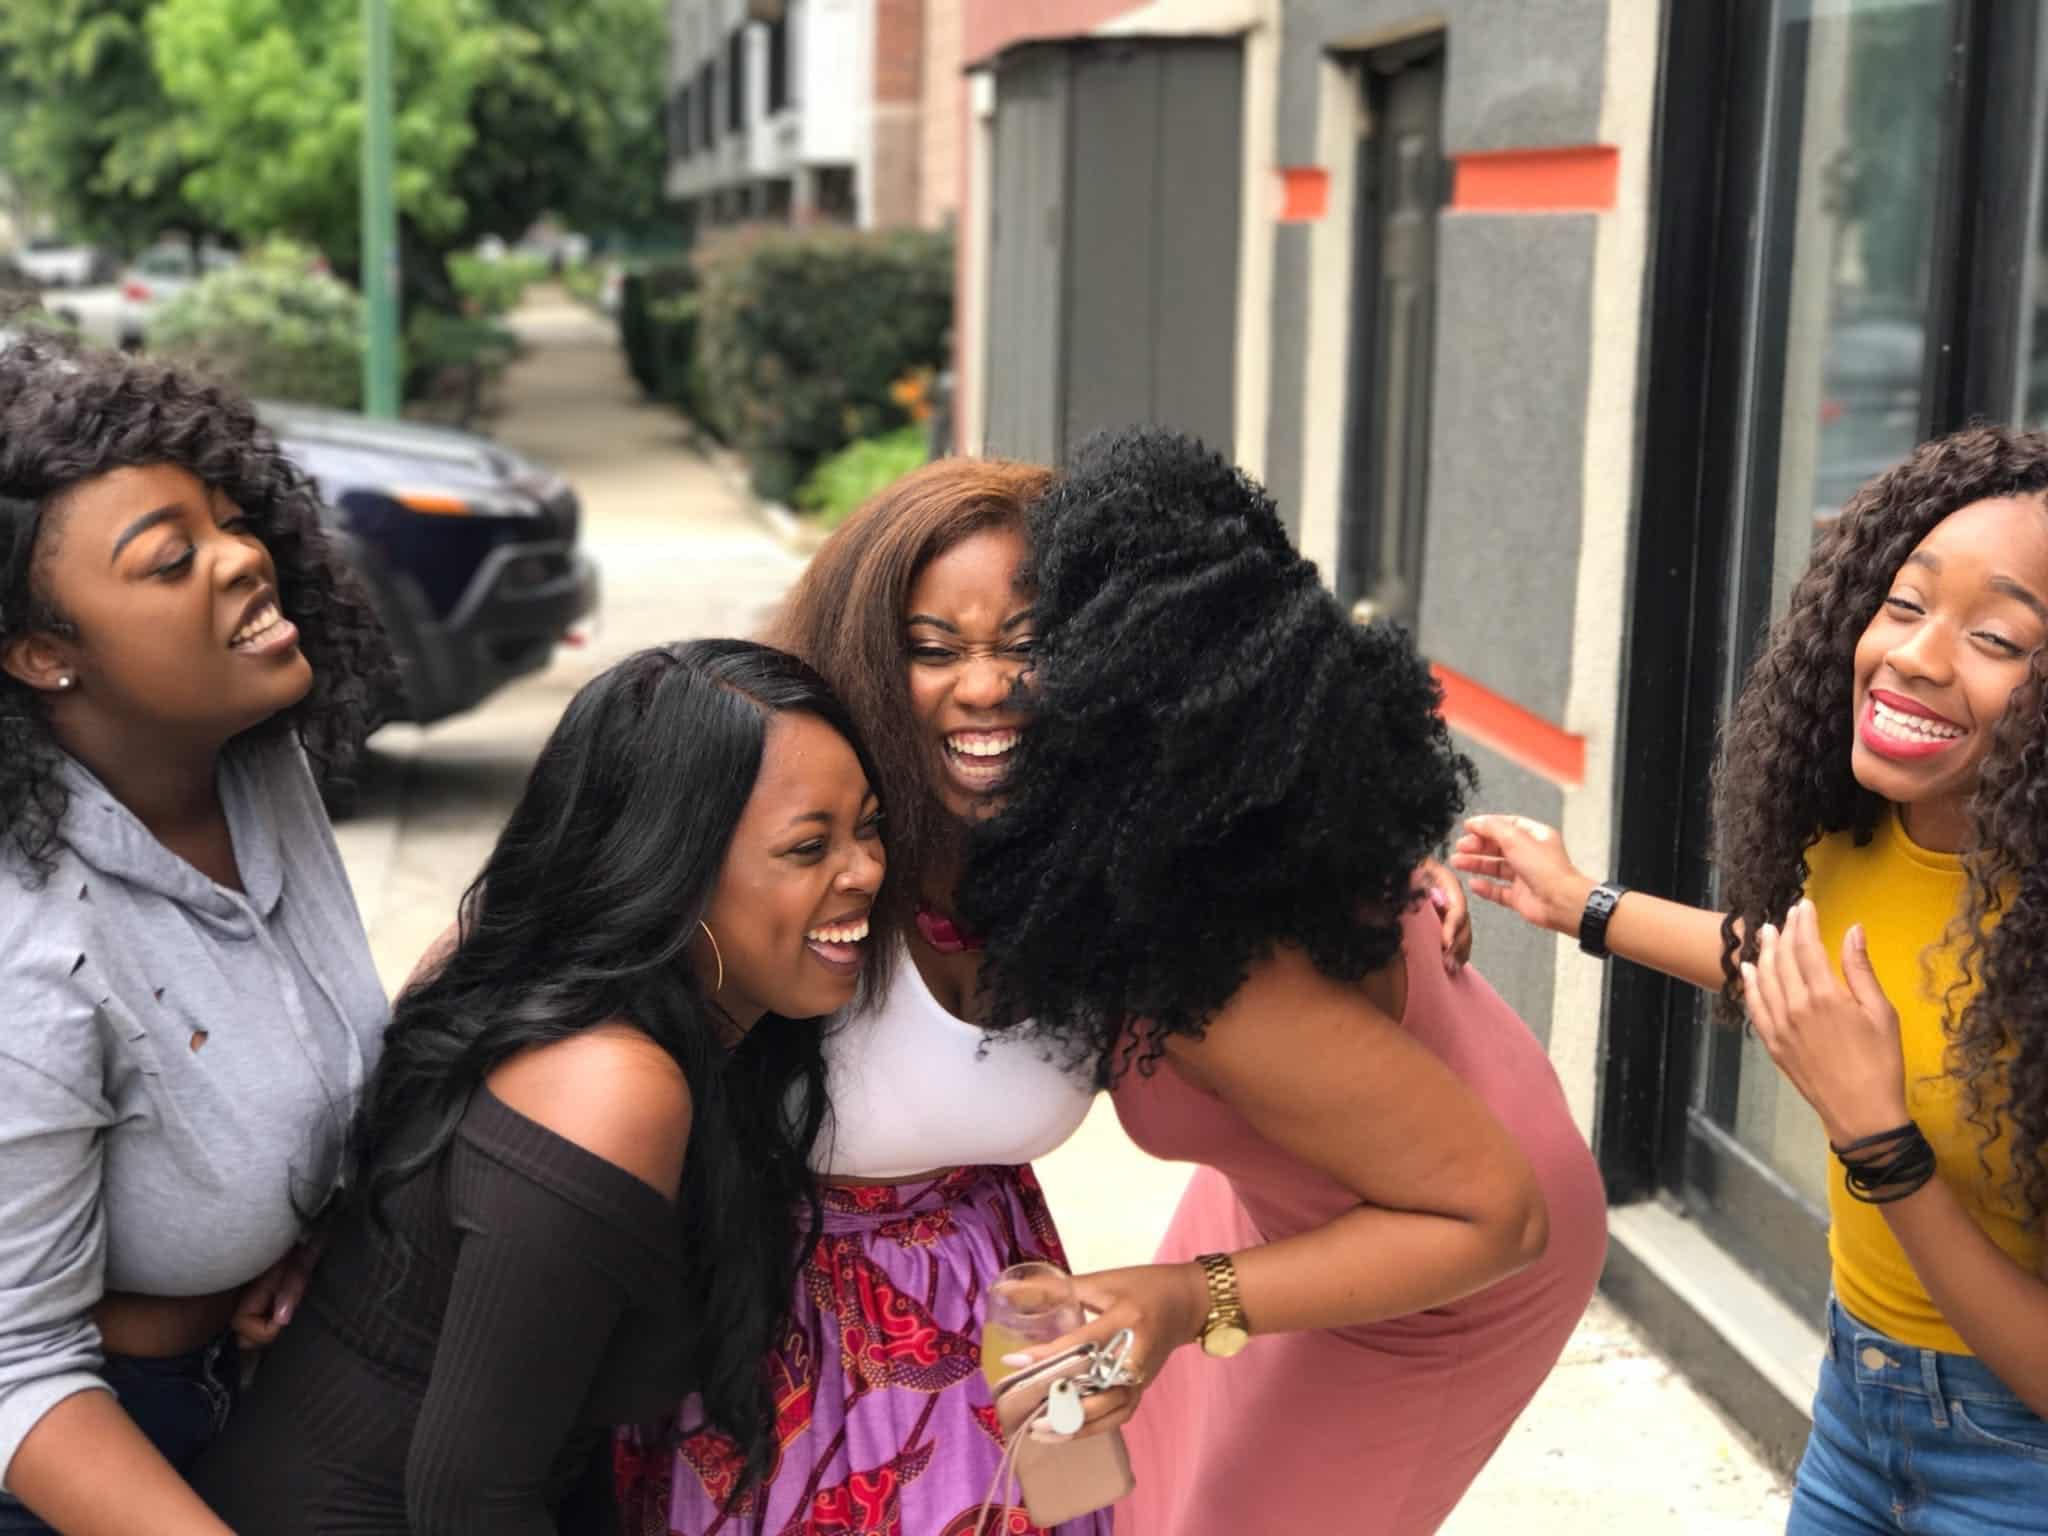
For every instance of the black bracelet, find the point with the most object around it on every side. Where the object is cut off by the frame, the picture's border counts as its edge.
(1888, 1166)
(1593, 921)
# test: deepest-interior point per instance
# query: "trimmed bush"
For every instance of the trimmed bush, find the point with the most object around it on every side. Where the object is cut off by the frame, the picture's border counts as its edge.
(803, 333)
(838, 486)
(273, 326)
(646, 314)
(494, 287)
(452, 362)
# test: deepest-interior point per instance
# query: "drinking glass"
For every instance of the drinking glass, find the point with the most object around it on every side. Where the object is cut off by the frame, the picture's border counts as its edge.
(1028, 1304)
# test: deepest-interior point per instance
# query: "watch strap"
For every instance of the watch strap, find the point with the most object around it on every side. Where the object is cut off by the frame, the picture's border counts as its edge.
(1600, 905)
(1225, 1306)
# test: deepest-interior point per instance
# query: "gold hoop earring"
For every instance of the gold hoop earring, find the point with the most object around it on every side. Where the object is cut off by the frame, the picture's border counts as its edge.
(717, 954)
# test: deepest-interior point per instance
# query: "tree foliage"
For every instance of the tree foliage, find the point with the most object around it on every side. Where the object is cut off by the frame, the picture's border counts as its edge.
(268, 98)
(90, 135)
(130, 117)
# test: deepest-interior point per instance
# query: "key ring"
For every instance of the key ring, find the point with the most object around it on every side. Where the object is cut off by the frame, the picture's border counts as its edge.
(1111, 1366)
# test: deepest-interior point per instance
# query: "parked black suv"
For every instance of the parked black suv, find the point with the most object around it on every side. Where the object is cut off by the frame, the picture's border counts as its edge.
(468, 550)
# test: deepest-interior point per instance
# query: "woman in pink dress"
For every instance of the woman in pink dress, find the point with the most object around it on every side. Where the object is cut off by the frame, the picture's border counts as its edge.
(1200, 884)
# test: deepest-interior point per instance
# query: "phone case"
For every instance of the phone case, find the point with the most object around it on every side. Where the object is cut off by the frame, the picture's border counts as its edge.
(1065, 1479)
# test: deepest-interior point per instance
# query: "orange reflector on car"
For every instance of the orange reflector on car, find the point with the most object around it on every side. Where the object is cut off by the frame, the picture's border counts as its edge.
(435, 503)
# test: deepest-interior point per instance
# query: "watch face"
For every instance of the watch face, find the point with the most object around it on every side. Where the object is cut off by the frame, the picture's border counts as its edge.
(1225, 1340)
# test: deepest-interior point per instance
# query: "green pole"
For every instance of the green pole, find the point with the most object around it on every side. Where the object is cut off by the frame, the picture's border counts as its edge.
(380, 217)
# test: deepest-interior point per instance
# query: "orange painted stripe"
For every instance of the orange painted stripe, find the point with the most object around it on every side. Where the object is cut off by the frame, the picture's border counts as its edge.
(1525, 739)
(1304, 193)
(1577, 180)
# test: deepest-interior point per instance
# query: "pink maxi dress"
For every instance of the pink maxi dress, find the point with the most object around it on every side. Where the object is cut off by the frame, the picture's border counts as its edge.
(1376, 1430)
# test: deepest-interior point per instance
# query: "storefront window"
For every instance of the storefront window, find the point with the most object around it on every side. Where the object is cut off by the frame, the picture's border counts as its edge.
(1852, 176)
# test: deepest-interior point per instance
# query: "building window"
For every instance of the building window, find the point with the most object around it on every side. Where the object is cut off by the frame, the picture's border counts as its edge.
(707, 116)
(736, 80)
(681, 125)
(778, 64)
(1856, 300)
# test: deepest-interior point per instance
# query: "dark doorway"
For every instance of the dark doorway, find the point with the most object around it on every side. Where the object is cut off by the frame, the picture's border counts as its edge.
(1400, 187)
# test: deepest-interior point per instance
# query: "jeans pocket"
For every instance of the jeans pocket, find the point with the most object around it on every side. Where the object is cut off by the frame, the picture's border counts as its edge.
(2011, 1427)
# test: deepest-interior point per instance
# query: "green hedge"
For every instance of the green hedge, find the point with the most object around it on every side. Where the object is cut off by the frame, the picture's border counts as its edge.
(273, 326)
(494, 287)
(842, 483)
(658, 328)
(801, 334)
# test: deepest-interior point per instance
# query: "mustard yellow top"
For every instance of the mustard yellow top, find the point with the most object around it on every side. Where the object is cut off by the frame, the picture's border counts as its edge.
(1905, 897)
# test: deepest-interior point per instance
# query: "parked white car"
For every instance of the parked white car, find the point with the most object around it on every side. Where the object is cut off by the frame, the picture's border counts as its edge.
(159, 274)
(58, 263)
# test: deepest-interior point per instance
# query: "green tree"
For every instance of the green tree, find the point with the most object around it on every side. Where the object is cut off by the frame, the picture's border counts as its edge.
(90, 136)
(268, 99)
(571, 123)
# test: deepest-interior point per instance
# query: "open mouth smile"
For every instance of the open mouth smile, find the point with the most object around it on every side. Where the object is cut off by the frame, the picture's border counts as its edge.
(837, 945)
(1900, 728)
(264, 628)
(980, 759)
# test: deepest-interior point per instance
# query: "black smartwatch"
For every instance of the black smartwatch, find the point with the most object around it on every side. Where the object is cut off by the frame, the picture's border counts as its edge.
(1593, 921)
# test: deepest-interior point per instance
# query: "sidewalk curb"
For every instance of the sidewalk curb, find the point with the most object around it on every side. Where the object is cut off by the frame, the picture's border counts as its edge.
(796, 534)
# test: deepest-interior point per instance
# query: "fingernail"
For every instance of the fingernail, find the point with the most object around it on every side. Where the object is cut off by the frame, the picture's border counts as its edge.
(1439, 900)
(1022, 1357)
(284, 1313)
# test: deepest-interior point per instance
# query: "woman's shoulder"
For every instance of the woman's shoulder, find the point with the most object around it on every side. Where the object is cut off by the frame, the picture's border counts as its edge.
(611, 1091)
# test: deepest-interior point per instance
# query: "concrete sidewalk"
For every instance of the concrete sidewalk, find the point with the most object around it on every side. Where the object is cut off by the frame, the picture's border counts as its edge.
(1617, 1444)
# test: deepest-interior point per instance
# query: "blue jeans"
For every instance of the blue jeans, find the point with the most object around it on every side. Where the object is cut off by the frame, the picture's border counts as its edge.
(180, 1402)
(1914, 1440)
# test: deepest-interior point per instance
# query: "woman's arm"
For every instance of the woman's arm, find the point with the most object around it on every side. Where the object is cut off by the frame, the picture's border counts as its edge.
(86, 1470)
(1839, 1045)
(532, 1309)
(1522, 865)
(67, 1450)
(1447, 1203)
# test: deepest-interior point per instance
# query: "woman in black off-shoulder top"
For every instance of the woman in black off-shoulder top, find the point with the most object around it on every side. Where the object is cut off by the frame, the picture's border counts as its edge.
(580, 1180)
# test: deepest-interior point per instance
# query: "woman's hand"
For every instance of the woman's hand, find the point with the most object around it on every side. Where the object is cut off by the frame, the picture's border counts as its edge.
(1164, 1306)
(1838, 1045)
(1448, 897)
(1522, 865)
(268, 1302)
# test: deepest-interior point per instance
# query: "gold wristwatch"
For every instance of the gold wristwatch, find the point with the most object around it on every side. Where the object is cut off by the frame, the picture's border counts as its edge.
(1225, 1330)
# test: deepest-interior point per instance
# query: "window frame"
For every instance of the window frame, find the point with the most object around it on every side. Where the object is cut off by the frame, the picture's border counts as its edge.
(1707, 479)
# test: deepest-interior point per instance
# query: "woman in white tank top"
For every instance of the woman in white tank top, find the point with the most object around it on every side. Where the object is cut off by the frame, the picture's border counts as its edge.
(917, 613)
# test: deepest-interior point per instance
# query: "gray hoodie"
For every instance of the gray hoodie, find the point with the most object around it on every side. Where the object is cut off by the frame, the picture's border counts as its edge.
(178, 1064)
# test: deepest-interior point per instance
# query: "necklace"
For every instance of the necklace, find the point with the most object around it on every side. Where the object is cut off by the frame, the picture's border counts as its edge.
(943, 934)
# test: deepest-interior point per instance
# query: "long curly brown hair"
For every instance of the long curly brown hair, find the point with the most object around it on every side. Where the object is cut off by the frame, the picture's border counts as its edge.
(1783, 782)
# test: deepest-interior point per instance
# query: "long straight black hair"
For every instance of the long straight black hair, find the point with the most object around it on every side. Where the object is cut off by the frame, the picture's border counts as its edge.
(584, 912)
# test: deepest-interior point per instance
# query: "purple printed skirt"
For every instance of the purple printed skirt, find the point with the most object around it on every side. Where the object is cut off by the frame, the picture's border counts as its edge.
(886, 1425)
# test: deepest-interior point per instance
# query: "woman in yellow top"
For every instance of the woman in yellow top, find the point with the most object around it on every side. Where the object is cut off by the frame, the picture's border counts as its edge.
(1882, 797)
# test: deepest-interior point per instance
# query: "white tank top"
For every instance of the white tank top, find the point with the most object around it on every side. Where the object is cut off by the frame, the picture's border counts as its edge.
(913, 1089)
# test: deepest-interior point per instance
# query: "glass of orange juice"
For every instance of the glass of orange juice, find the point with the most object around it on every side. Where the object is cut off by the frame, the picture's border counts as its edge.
(1028, 1304)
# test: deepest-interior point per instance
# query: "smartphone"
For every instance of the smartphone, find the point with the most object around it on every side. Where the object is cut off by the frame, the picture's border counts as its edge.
(1061, 1480)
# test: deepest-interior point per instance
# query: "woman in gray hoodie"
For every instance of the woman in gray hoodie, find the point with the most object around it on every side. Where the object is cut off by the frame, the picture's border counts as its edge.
(190, 1010)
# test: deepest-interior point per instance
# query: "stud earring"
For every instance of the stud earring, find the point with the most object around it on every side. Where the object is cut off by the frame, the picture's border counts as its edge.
(717, 954)
(64, 682)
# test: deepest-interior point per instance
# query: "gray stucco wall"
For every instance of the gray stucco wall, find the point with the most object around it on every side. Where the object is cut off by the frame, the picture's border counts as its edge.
(1513, 358)
(1519, 961)
(1507, 448)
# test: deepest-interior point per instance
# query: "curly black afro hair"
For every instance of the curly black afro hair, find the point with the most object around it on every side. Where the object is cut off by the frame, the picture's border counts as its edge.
(1220, 762)
(1784, 781)
(69, 415)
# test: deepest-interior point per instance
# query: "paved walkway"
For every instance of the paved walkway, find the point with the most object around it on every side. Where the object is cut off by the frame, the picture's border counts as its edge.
(1617, 1444)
